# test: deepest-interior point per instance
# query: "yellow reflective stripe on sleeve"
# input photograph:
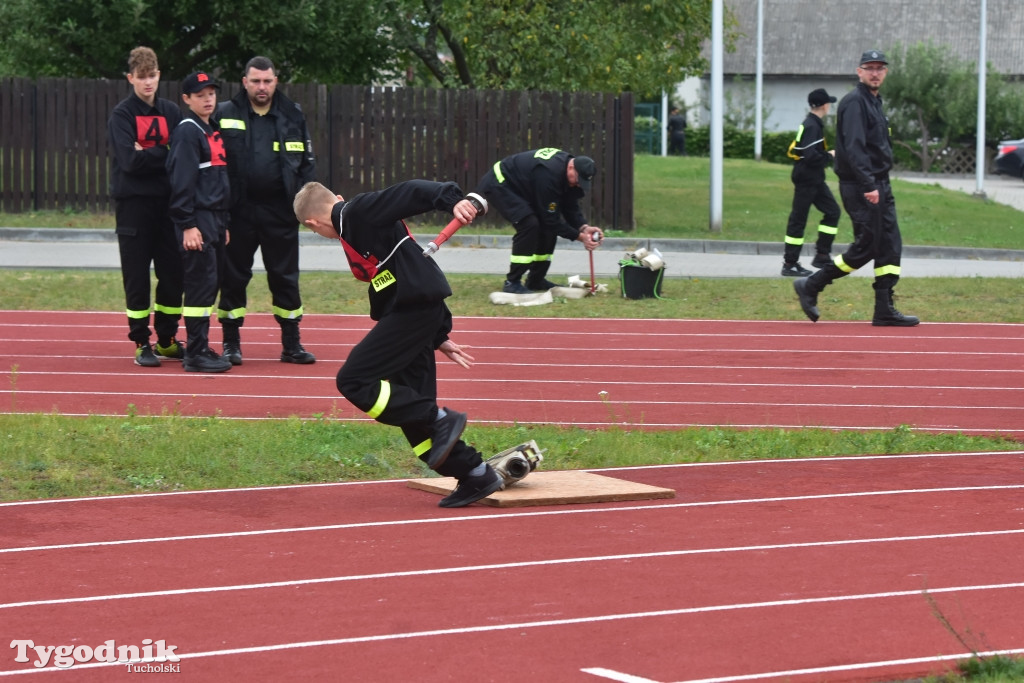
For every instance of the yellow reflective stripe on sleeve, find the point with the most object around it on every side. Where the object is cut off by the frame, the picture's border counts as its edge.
(233, 314)
(794, 240)
(792, 145)
(232, 124)
(497, 172)
(422, 447)
(196, 311)
(841, 265)
(137, 315)
(828, 230)
(382, 400)
(294, 146)
(169, 310)
(887, 270)
(286, 314)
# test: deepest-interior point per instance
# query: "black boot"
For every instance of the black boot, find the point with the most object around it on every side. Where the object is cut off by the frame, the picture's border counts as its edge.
(807, 293)
(886, 314)
(293, 351)
(232, 347)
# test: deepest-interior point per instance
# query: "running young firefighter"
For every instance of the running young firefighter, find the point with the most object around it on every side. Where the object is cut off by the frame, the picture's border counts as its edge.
(391, 374)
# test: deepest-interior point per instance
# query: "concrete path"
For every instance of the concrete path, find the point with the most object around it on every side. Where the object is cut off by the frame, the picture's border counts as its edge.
(489, 254)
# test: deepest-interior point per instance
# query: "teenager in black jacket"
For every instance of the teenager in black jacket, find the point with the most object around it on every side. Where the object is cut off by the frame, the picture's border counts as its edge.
(391, 374)
(139, 131)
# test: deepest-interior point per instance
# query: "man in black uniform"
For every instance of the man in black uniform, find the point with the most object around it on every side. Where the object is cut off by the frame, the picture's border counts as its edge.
(270, 156)
(139, 131)
(391, 374)
(676, 129)
(863, 160)
(539, 192)
(809, 188)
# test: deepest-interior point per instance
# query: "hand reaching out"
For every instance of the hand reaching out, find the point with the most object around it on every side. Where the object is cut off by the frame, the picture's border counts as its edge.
(456, 353)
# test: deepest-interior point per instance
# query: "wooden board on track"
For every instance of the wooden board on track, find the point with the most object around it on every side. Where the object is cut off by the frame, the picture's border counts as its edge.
(555, 488)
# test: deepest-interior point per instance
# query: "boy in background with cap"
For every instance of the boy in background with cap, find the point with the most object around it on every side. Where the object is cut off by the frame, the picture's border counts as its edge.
(539, 192)
(812, 157)
(200, 199)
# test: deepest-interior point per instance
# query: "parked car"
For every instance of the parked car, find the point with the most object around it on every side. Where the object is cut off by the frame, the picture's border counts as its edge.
(1010, 158)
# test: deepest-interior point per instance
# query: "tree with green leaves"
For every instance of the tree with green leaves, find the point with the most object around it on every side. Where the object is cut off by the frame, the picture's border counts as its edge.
(931, 96)
(312, 40)
(592, 45)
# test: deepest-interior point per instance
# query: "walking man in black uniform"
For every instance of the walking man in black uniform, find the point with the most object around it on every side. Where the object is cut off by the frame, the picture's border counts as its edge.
(391, 374)
(270, 156)
(139, 131)
(539, 192)
(810, 189)
(863, 160)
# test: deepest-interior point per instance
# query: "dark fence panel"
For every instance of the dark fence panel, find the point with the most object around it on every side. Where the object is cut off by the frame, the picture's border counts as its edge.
(54, 152)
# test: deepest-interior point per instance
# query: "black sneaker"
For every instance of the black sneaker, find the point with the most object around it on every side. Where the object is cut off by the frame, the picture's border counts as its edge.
(173, 350)
(808, 300)
(515, 288)
(447, 431)
(232, 353)
(297, 355)
(472, 489)
(206, 360)
(795, 270)
(540, 286)
(821, 260)
(145, 357)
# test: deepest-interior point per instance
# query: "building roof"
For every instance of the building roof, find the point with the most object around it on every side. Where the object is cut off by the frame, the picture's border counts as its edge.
(826, 38)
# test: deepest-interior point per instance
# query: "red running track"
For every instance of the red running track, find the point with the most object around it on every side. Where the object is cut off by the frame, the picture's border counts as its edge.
(838, 569)
(590, 372)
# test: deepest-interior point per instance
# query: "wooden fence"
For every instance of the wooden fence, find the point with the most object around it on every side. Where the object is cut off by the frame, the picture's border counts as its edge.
(54, 153)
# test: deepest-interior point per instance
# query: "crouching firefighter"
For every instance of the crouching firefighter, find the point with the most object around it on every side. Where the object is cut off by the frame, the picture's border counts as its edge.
(391, 374)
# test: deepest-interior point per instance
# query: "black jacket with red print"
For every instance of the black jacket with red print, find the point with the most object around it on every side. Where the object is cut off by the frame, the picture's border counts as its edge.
(198, 171)
(140, 172)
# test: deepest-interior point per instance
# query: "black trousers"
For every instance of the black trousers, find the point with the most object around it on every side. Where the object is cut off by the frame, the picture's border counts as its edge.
(273, 229)
(391, 375)
(533, 246)
(876, 237)
(806, 195)
(145, 235)
(202, 277)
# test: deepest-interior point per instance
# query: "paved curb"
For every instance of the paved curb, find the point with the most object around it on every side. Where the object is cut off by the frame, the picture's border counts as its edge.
(617, 244)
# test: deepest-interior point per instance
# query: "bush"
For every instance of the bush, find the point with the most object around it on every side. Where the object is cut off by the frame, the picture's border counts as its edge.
(739, 144)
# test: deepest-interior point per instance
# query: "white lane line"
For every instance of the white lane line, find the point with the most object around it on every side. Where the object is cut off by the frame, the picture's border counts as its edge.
(505, 517)
(561, 401)
(629, 678)
(507, 565)
(490, 628)
(663, 466)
